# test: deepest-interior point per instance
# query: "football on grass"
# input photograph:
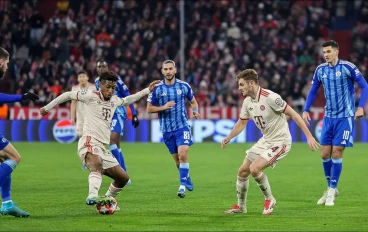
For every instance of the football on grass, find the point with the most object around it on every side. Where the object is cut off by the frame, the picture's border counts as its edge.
(108, 208)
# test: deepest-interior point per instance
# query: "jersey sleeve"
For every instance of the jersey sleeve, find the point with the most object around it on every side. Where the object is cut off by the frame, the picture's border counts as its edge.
(244, 114)
(316, 77)
(353, 71)
(133, 98)
(152, 97)
(122, 88)
(190, 93)
(276, 102)
(83, 95)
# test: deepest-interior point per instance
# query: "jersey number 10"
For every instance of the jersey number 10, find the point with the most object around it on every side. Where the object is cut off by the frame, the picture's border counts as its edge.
(345, 136)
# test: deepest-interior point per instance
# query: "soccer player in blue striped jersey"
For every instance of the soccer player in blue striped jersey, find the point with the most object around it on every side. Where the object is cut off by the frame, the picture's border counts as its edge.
(120, 115)
(337, 78)
(9, 156)
(168, 100)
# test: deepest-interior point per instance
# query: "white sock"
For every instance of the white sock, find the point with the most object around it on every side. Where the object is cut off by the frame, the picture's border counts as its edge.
(331, 191)
(264, 186)
(113, 191)
(242, 186)
(94, 180)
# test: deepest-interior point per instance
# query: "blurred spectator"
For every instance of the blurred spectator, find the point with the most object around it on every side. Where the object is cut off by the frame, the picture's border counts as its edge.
(280, 39)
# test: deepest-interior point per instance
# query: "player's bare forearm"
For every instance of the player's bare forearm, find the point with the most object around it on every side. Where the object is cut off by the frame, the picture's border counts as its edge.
(73, 110)
(298, 120)
(238, 128)
(60, 99)
(134, 97)
(194, 103)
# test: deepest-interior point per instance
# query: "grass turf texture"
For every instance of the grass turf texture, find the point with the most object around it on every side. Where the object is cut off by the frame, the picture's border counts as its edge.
(50, 184)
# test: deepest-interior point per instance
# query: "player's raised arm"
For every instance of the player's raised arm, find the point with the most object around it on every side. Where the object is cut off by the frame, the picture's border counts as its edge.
(83, 95)
(73, 111)
(311, 96)
(135, 97)
(124, 91)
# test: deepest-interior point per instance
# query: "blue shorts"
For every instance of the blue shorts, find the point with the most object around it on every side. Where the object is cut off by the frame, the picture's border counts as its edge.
(3, 142)
(177, 138)
(117, 124)
(337, 132)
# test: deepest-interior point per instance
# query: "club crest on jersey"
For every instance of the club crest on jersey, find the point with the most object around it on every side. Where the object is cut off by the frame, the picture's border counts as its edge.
(178, 91)
(262, 107)
(338, 73)
(112, 104)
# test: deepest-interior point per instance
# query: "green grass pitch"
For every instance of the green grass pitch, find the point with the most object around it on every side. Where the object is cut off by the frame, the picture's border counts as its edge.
(50, 184)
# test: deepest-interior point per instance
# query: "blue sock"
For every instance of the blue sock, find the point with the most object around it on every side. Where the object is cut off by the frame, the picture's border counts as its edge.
(327, 163)
(335, 172)
(183, 172)
(5, 190)
(6, 169)
(122, 160)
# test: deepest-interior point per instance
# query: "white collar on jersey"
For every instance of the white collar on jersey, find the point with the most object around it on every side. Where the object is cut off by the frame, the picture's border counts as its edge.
(258, 95)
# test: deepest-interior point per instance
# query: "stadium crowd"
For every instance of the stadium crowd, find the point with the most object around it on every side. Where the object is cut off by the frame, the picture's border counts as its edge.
(280, 39)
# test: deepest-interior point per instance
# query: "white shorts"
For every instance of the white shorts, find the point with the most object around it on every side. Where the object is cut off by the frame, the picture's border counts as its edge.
(89, 144)
(270, 151)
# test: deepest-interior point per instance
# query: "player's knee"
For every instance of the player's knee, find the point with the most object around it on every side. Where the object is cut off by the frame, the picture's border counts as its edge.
(326, 153)
(15, 157)
(242, 171)
(254, 170)
(337, 152)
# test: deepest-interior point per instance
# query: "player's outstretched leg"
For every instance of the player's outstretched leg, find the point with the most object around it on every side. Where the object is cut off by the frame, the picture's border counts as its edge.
(120, 180)
(8, 207)
(93, 163)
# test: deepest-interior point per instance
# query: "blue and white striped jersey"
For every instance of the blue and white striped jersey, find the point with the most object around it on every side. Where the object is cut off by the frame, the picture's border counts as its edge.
(175, 118)
(338, 85)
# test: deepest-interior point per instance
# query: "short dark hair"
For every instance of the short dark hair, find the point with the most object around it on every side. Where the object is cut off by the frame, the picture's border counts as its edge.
(331, 43)
(168, 62)
(83, 72)
(248, 75)
(4, 54)
(109, 76)
(101, 60)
